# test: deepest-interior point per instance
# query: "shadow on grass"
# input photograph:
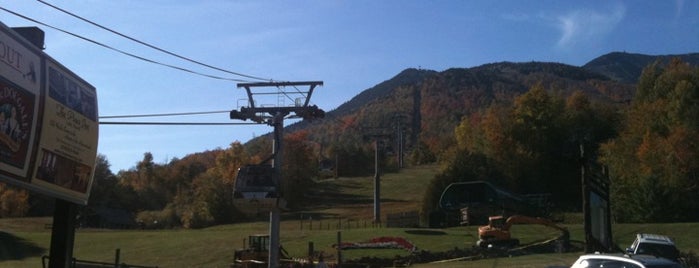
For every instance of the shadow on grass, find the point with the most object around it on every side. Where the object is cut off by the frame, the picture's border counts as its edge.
(15, 248)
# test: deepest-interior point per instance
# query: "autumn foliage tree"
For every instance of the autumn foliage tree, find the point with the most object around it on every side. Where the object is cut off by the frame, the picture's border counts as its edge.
(107, 191)
(200, 195)
(533, 143)
(13, 201)
(300, 166)
(208, 200)
(654, 163)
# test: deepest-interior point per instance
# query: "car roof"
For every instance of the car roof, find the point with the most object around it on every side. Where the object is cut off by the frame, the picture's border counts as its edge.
(610, 256)
(654, 238)
(638, 259)
(580, 262)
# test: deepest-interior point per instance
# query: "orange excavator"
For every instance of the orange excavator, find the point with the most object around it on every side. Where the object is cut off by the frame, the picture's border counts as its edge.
(497, 232)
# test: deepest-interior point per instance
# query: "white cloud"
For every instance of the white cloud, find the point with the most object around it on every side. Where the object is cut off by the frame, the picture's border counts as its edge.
(679, 8)
(585, 25)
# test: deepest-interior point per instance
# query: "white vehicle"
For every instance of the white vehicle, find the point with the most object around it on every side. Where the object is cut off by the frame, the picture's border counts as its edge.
(598, 260)
(656, 245)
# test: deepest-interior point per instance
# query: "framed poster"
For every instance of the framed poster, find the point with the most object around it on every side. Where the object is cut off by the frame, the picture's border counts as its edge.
(48, 122)
(20, 90)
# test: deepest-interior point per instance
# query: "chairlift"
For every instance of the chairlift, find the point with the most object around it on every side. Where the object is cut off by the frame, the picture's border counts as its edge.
(256, 189)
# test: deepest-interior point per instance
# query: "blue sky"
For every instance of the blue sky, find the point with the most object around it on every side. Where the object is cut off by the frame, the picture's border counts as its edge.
(349, 45)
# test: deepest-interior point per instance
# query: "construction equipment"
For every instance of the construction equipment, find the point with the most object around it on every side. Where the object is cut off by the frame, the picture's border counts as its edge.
(471, 202)
(256, 254)
(497, 232)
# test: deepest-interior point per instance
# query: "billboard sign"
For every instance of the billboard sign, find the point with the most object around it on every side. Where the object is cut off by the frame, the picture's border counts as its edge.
(596, 208)
(48, 122)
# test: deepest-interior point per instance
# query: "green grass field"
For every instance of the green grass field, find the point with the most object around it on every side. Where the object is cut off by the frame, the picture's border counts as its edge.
(24, 241)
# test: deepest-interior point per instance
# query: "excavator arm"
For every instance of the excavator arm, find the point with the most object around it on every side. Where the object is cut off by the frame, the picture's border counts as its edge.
(498, 229)
(519, 219)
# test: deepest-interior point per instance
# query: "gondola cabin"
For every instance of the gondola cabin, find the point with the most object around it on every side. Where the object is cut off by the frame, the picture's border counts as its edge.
(256, 189)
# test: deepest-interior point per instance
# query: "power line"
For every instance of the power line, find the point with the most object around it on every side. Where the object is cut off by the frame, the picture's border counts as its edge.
(168, 123)
(174, 123)
(121, 51)
(156, 115)
(152, 46)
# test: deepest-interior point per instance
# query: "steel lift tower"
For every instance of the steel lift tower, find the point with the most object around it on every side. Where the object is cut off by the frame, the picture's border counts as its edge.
(274, 116)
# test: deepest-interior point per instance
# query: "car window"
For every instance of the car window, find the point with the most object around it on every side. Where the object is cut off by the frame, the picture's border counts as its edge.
(635, 244)
(666, 251)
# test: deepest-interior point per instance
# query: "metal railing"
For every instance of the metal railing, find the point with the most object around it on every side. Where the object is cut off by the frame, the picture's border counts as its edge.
(75, 263)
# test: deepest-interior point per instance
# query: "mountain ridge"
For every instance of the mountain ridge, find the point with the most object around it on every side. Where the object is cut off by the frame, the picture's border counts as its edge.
(603, 68)
(427, 105)
(627, 67)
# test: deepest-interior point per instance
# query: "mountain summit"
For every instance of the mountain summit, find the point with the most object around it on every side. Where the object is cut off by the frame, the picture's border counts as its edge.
(627, 67)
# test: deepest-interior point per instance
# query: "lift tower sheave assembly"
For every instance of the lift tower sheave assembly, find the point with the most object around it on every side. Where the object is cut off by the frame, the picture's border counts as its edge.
(265, 114)
(263, 193)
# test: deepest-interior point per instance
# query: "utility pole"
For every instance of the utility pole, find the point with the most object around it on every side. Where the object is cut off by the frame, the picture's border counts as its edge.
(400, 138)
(274, 116)
(378, 152)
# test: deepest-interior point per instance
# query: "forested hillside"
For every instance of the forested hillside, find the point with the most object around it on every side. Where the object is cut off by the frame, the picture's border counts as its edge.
(430, 108)
(519, 125)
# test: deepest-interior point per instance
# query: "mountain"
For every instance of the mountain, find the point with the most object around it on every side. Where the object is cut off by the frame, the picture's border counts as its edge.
(627, 67)
(406, 77)
(426, 105)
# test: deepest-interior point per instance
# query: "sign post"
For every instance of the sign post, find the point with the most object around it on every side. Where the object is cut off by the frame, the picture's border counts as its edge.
(596, 205)
(62, 234)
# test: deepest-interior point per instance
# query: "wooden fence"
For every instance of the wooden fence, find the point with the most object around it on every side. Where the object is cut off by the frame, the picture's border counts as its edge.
(409, 219)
